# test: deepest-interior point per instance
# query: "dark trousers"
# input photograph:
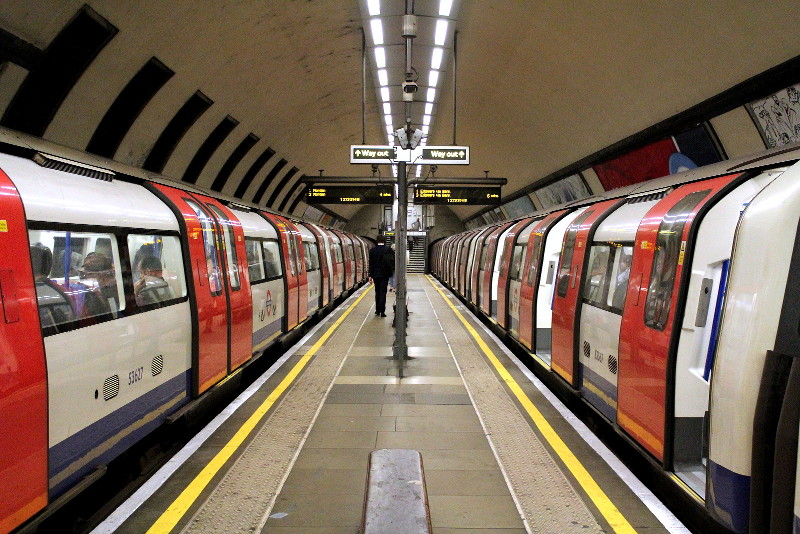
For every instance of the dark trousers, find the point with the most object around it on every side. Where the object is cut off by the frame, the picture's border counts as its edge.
(381, 285)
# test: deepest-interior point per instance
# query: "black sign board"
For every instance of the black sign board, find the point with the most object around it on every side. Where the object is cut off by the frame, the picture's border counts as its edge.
(466, 196)
(349, 194)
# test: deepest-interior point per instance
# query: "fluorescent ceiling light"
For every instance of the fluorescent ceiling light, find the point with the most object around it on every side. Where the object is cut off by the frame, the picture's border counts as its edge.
(377, 31)
(433, 78)
(391, 139)
(425, 130)
(388, 120)
(426, 120)
(419, 170)
(436, 58)
(383, 77)
(444, 7)
(387, 108)
(389, 130)
(374, 7)
(441, 32)
(380, 57)
(428, 108)
(385, 94)
(431, 94)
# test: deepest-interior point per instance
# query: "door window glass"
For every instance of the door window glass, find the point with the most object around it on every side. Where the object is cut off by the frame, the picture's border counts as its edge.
(568, 251)
(229, 241)
(209, 246)
(272, 259)
(669, 252)
(255, 260)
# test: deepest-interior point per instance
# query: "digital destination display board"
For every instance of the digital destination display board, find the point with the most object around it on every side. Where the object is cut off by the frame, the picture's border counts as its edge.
(466, 196)
(349, 194)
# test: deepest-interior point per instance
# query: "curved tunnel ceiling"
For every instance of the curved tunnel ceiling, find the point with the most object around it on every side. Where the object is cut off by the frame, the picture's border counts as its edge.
(248, 97)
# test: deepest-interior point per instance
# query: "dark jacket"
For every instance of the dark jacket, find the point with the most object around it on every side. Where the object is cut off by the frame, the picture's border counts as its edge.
(381, 262)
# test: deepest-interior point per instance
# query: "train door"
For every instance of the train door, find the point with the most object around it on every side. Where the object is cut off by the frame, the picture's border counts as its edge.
(312, 269)
(485, 289)
(664, 242)
(534, 278)
(350, 261)
(510, 288)
(510, 262)
(210, 359)
(324, 264)
(494, 281)
(291, 273)
(338, 263)
(603, 298)
(476, 256)
(23, 411)
(461, 268)
(566, 312)
(237, 284)
(357, 250)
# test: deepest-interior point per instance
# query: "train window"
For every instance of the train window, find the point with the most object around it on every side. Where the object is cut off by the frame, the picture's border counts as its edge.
(536, 248)
(272, 258)
(669, 252)
(337, 249)
(595, 285)
(231, 257)
(484, 253)
(157, 267)
(210, 247)
(516, 262)
(78, 277)
(620, 274)
(568, 250)
(255, 260)
(312, 258)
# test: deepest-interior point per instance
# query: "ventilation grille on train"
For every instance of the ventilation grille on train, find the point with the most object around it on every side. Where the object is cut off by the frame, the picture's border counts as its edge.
(613, 365)
(111, 387)
(587, 349)
(158, 365)
(60, 164)
(657, 195)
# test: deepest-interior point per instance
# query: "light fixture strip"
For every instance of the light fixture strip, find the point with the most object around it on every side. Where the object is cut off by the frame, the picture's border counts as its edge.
(436, 58)
(433, 78)
(441, 32)
(383, 78)
(377, 31)
(374, 7)
(429, 108)
(444, 7)
(380, 57)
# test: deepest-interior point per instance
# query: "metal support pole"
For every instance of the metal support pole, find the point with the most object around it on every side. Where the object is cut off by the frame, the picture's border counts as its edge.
(400, 350)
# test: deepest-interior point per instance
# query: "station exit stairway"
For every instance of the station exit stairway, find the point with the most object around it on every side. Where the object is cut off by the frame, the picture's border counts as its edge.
(419, 251)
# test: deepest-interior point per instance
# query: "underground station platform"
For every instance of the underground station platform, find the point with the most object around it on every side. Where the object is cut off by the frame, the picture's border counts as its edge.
(330, 440)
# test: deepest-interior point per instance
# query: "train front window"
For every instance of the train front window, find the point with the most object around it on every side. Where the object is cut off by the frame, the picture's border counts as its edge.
(670, 248)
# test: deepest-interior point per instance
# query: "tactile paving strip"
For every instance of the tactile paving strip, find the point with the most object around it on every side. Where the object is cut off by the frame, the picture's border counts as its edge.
(547, 501)
(242, 499)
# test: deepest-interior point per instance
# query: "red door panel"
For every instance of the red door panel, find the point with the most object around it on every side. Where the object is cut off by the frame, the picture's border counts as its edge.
(237, 284)
(568, 286)
(485, 301)
(23, 379)
(302, 276)
(648, 320)
(474, 291)
(531, 276)
(210, 361)
(505, 267)
(290, 274)
(323, 265)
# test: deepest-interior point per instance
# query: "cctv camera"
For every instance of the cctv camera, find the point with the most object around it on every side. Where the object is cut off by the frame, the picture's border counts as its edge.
(410, 87)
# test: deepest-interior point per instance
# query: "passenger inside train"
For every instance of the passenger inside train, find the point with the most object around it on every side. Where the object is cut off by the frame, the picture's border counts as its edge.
(151, 288)
(54, 306)
(103, 297)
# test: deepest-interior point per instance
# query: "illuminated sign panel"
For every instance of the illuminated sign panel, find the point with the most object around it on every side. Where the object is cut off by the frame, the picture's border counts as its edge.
(444, 155)
(372, 154)
(351, 194)
(465, 196)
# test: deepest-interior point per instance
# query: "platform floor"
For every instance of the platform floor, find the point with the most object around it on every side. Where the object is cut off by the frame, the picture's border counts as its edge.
(292, 457)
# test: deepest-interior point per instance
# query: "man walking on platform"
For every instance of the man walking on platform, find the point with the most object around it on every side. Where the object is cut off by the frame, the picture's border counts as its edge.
(381, 268)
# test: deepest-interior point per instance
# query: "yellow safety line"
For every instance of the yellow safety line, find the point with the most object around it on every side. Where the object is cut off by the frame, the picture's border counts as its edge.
(610, 512)
(173, 514)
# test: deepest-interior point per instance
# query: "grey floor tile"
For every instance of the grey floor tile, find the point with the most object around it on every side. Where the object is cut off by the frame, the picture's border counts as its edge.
(459, 423)
(465, 483)
(352, 423)
(321, 439)
(459, 460)
(436, 398)
(422, 410)
(432, 440)
(341, 410)
(485, 511)
(425, 388)
(325, 481)
(357, 459)
(371, 398)
(331, 510)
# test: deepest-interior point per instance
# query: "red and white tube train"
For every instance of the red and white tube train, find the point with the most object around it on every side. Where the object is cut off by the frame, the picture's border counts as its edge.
(673, 309)
(125, 297)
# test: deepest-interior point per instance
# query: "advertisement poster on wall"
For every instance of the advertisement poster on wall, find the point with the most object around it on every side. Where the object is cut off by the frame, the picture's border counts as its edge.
(777, 117)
